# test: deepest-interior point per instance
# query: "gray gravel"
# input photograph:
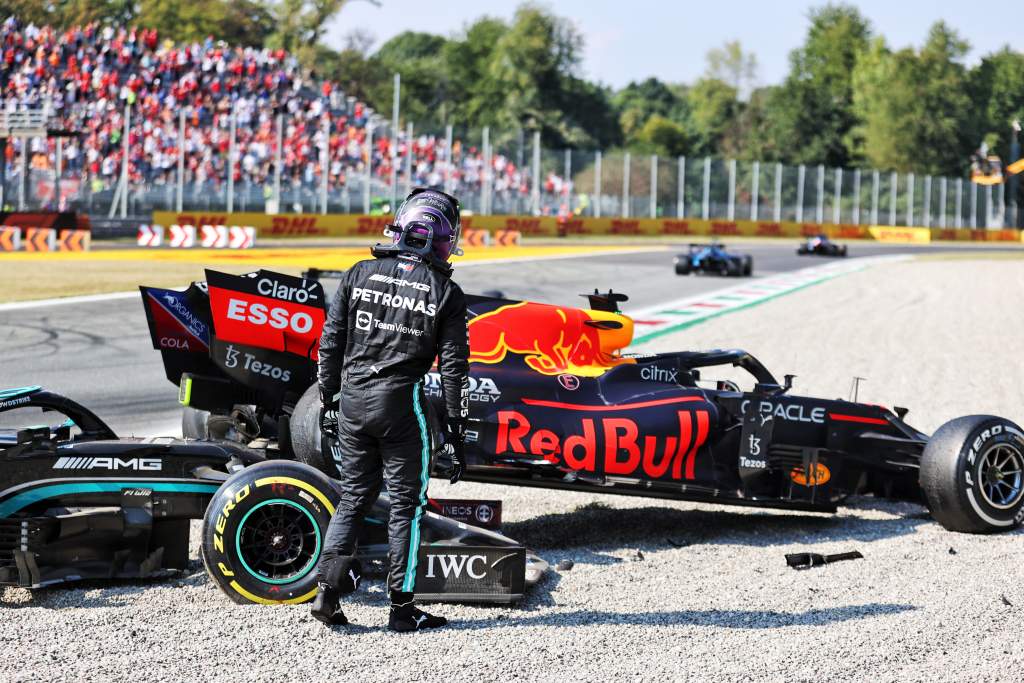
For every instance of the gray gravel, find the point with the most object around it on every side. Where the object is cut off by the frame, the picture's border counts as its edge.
(711, 598)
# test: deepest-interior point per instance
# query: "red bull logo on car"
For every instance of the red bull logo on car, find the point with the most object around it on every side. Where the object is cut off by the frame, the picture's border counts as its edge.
(611, 444)
(551, 339)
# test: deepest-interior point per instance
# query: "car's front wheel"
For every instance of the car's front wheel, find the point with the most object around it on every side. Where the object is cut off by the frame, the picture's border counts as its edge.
(264, 531)
(972, 474)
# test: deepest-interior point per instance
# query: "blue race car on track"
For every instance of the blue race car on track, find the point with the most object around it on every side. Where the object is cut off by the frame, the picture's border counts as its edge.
(713, 258)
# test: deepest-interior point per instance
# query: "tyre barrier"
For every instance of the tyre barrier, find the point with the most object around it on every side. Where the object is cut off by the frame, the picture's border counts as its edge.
(74, 240)
(508, 238)
(476, 238)
(150, 236)
(206, 236)
(10, 239)
(40, 239)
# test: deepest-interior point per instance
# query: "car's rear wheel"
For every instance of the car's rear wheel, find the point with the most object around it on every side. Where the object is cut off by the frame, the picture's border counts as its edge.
(264, 531)
(305, 433)
(748, 266)
(972, 474)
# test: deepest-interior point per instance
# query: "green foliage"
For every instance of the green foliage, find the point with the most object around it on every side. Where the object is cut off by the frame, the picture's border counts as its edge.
(809, 118)
(847, 99)
(237, 22)
(997, 95)
(913, 106)
(663, 137)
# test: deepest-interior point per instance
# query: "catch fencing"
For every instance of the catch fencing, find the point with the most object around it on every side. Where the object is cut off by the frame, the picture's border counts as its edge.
(367, 170)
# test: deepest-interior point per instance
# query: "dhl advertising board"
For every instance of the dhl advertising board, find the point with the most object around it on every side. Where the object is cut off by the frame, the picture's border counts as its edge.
(355, 225)
(343, 225)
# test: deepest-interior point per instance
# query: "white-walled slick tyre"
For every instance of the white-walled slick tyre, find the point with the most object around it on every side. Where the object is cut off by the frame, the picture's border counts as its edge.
(972, 474)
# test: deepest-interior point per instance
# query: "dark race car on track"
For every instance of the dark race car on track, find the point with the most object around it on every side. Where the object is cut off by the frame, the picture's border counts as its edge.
(820, 245)
(555, 403)
(715, 259)
(77, 502)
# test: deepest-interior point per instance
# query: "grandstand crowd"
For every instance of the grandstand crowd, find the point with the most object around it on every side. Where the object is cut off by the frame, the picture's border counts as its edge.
(87, 74)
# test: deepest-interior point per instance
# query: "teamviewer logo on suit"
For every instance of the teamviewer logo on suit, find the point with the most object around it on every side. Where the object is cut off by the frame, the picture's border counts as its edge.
(363, 320)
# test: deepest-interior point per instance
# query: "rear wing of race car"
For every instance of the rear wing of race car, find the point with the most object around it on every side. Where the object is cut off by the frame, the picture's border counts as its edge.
(238, 339)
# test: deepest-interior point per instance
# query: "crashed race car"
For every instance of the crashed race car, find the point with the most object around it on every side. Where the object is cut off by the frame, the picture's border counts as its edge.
(715, 259)
(820, 245)
(78, 502)
(556, 403)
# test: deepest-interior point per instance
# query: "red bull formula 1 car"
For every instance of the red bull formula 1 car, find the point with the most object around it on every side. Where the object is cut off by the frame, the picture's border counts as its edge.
(556, 403)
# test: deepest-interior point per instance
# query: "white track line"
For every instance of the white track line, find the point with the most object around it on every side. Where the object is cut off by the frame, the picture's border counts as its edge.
(113, 296)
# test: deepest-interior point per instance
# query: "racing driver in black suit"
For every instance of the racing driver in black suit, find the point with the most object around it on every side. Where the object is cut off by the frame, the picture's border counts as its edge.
(390, 318)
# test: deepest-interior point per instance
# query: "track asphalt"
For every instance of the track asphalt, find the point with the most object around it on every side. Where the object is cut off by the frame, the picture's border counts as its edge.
(99, 351)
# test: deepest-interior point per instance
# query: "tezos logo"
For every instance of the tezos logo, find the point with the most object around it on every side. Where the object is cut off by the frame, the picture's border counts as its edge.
(453, 566)
(256, 367)
(364, 320)
(753, 464)
(141, 464)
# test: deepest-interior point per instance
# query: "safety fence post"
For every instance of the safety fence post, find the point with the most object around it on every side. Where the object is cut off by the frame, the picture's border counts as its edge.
(942, 201)
(706, 201)
(625, 185)
(654, 186)
(731, 206)
(893, 191)
(567, 179)
(536, 173)
(755, 189)
(232, 122)
(837, 196)
(681, 188)
(597, 184)
(856, 197)
(819, 209)
(927, 201)
(801, 176)
(395, 103)
(910, 199)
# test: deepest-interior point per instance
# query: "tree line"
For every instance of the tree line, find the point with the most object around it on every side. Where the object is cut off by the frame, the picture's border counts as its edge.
(849, 98)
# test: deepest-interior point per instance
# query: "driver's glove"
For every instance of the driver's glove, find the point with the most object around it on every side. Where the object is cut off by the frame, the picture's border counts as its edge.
(329, 413)
(453, 448)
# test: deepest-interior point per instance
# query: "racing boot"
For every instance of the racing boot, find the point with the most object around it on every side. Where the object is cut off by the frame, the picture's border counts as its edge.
(337, 577)
(405, 616)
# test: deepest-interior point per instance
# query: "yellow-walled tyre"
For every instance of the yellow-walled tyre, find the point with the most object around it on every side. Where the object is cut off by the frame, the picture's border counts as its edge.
(264, 531)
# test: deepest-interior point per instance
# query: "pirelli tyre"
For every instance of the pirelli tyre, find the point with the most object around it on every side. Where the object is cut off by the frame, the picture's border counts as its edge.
(682, 267)
(748, 266)
(972, 474)
(305, 433)
(264, 531)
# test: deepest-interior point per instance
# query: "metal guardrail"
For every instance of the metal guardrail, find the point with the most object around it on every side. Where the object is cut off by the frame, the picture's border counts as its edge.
(23, 122)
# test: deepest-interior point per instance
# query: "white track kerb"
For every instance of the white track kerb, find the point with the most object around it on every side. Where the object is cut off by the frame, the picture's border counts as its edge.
(673, 316)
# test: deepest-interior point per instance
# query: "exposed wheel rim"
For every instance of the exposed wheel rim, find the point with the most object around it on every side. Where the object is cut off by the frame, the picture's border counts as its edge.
(278, 541)
(1000, 476)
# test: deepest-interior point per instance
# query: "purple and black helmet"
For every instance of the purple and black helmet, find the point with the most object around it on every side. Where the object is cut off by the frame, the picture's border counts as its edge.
(429, 213)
